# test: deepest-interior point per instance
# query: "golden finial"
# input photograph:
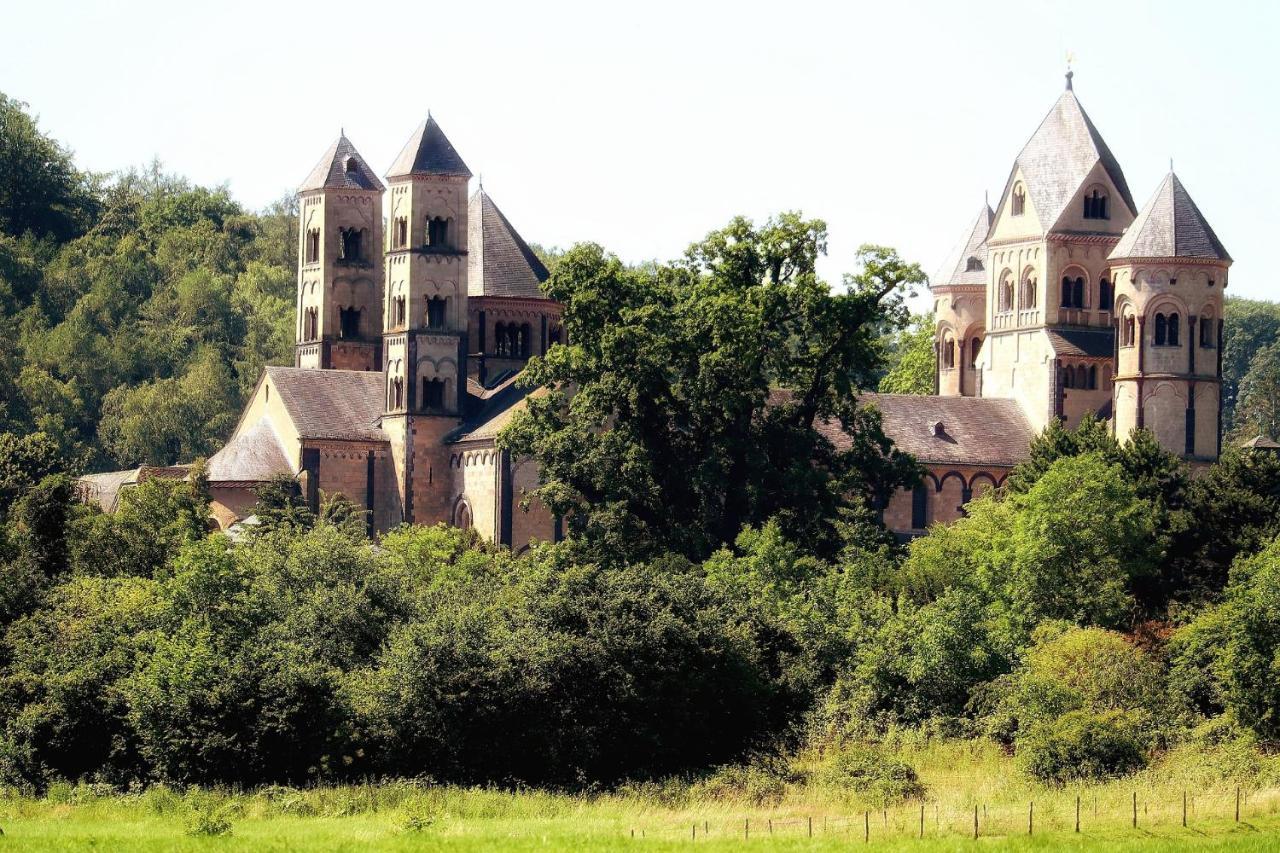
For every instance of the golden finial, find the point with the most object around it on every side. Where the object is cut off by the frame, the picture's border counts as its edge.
(1071, 58)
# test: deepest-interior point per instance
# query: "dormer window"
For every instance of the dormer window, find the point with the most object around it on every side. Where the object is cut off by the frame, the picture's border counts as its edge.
(973, 265)
(351, 166)
(1019, 201)
(1095, 205)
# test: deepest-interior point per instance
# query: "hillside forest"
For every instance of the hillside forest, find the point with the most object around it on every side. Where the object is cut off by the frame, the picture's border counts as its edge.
(725, 600)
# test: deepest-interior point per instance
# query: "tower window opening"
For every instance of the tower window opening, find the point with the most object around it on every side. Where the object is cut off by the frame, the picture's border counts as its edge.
(312, 254)
(433, 393)
(396, 400)
(1105, 296)
(1093, 377)
(1005, 296)
(348, 323)
(398, 314)
(1206, 333)
(1173, 331)
(436, 313)
(1019, 201)
(1095, 205)
(948, 353)
(350, 245)
(500, 340)
(553, 335)
(1027, 292)
(437, 233)
(1067, 377)
(525, 340)
(975, 346)
(1127, 332)
(310, 324)
(351, 165)
(973, 265)
(402, 232)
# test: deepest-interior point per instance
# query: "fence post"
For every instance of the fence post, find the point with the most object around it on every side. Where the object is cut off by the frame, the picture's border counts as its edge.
(695, 831)
(811, 826)
(975, 821)
(1237, 803)
(1184, 808)
(746, 829)
(922, 820)
(1135, 809)
(1077, 812)
(866, 826)
(1031, 816)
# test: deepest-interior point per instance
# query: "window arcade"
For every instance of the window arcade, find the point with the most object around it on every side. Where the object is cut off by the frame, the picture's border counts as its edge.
(1167, 328)
(1095, 205)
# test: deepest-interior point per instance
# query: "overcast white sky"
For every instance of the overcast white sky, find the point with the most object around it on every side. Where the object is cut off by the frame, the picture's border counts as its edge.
(643, 126)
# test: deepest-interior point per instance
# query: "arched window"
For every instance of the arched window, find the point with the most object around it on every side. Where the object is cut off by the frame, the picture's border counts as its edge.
(462, 516)
(1161, 331)
(975, 346)
(1067, 377)
(312, 253)
(973, 265)
(401, 232)
(350, 245)
(1105, 296)
(1174, 331)
(553, 335)
(1027, 292)
(1127, 332)
(437, 233)
(348, 323)
(397, 394)
(436, 312)
(1206, 332)
(1005, 295)
(1082, 376)
(948, 352)
(1019, 202)
(310, 324)
(500, 339)
(1077, 292)
(920, 507)
(1066, 291)
(433, 393)
(1095, 205)
(351, 165)
(1093, 377)
(526, 340)
(398, 312)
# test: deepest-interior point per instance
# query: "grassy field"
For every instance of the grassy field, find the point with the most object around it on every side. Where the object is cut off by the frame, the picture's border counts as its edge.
(959, 776)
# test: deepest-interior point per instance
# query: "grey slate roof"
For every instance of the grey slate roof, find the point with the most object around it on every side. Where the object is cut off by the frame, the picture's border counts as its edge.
(253, 456)
(976, 430)
(1086, 343)
(1170, 226)
(428, 152)
(331, 172)
(500, 262)
(1260, 442)
(955, 270)
(491, 409)
(1059, 156)
(332, 404)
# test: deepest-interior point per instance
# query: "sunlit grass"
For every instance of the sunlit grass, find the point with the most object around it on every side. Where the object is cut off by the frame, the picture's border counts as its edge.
(960, 776)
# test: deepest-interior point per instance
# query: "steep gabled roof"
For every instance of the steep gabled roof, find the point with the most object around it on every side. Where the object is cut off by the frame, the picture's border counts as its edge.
(332, 404)
(1170, 226)
(332, 172)
(500, 262)
(253, 456)
(1083, 343)
(1059, 157)
(956, 269)
(428, 152)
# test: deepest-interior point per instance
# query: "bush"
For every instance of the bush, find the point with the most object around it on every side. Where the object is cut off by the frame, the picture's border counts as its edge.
(1081, 745)
(208, 820)
(763, 782)
(876, 777)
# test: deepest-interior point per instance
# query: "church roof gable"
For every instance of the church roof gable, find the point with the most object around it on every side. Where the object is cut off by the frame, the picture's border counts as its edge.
(974, 430)
(1170, 225)
(1058, 158)
(344, 405)
(428, 152)
(332, 171)
(959, 267)
(252, 456)
(501, 262)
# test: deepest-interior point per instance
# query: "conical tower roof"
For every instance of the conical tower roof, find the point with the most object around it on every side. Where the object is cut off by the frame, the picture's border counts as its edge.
(341, 167)
(967, 262)
(500, 261)
(1058, 158)
(428, 152)
(1170, 226)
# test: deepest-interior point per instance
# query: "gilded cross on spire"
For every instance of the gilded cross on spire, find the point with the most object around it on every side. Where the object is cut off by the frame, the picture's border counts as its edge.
(1071, 58)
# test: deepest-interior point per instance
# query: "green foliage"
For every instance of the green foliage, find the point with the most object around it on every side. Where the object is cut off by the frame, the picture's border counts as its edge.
(1249, 327)
(911, 360)
(684, 363)
(881, 780)
(204, 820)
(41, 191)
(1257, 410)
(1081, 745)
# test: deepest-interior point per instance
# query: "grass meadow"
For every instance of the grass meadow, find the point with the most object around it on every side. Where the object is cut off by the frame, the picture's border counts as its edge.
(959, 776)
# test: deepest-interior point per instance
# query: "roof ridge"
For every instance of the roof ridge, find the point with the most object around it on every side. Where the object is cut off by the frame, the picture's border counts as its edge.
(428, 152)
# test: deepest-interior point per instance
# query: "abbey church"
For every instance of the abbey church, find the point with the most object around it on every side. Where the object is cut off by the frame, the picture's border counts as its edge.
(1063, 300)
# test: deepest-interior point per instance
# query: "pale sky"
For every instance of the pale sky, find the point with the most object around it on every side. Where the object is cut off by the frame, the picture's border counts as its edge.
(643, 126)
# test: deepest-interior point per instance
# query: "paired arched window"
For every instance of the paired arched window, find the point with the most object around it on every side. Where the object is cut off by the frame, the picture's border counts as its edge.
(975, 346)
(1073, 292)
(398, 312)
(395, 396)
(310, 324)
(513, 341)
(348, 323)
(1127, 328)
(437, 236)
(433, 393)
(436, 312)
(400, 232)
(1004, 298)
(1167, 331)
(1080, 377)
(1019, 201)
(1096, 205)
(948, 352)
(350, 245)
(1208, 331)
(1027, 291)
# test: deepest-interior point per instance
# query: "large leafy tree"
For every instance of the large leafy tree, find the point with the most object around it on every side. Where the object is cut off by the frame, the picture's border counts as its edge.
(1257, 410)
(910, 353)
(718, 391)
(1249, 326)
(41, 191)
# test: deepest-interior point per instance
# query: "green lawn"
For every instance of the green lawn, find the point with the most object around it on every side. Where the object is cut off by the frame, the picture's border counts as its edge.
(658, 817)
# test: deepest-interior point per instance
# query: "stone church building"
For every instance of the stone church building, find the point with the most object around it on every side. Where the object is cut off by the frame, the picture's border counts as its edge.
(1065, 299)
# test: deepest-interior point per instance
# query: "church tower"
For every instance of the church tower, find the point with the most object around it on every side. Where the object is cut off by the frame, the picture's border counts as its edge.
(339, 246)
(959, 310)
(1170, 272)
(425, 317)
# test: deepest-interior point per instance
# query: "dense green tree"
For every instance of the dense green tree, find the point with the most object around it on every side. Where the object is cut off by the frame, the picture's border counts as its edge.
(716, 377)
(912, 368)
(1257, 409)
(41, 191)
(1249, 325)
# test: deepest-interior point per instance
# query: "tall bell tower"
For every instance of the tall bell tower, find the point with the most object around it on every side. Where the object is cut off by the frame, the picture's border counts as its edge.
(339, 245)
(424, 315)
(1170, 274)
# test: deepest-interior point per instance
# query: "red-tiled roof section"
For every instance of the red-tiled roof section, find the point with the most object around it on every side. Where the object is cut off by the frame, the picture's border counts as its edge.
(974, 431)
(332, 404)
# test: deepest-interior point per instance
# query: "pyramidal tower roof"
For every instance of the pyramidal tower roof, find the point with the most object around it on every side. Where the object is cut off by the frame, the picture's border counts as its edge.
(1170, 226)
(428, 152)
(500, 262)
(967, 262)
(1059, 157)
(341, 167)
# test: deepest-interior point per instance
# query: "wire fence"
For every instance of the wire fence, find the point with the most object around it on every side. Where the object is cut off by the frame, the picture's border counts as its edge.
(1084, 813)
